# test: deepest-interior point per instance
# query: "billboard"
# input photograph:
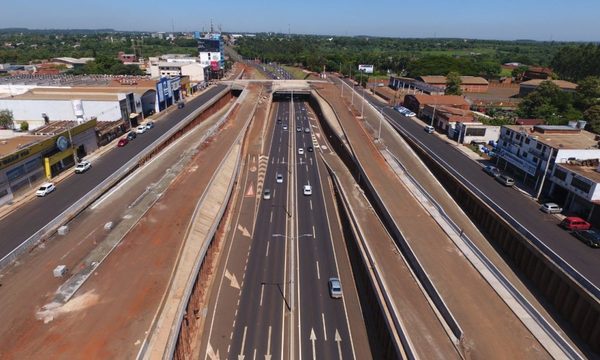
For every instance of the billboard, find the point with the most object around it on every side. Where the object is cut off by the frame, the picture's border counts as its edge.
(215, 66)
(368, 69)
(209, 45)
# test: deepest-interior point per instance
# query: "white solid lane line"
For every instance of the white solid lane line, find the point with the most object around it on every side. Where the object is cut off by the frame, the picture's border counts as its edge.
(324, 328)
(268, 243)
(243, 341)
(318, 272)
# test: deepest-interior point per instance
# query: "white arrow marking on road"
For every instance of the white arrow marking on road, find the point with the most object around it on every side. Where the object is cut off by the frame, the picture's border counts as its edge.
(268, 355)
(241, 355)
(244, 231)
(338, 340)
(211, 353)
(313, 338)
(232, 280)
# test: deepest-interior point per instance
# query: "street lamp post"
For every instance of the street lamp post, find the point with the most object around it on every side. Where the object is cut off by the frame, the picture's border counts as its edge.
(380, 121)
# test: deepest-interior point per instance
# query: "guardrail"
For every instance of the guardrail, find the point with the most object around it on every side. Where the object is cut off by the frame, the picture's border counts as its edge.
(564, 345)
(407, 347)
(101, 188)
(407, 251)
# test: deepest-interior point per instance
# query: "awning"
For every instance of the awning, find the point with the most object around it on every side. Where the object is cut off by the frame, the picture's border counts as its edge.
(133, 115)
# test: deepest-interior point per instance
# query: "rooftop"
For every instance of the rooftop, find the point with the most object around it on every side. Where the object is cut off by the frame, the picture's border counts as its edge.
(80, 93)
(467, 80)
(9, 146)
(566, 138)
(588, 172)
(563, 84)
(441, 99)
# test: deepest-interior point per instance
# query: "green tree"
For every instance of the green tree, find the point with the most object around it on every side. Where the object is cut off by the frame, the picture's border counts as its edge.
(592, 116)
(550, 103)
(588, 93)
(453, 84)
(519, 71)
(24, 126)
(6, 119)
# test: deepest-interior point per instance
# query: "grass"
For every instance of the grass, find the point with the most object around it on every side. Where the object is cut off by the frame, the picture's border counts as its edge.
(506, 72)
(297, 73)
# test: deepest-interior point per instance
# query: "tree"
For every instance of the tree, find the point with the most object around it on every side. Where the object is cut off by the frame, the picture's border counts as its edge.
(24, 126)
(519, 71)
(592, 116)
(588, 93)
(549, 102)
(6, 119)
(453, 84)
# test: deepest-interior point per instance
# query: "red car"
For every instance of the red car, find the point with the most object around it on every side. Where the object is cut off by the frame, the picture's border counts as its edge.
(122, 142)
(575, 223)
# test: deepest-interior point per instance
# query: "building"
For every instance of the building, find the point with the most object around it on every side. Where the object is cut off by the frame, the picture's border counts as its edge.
(415, 86)
(28, 160)
(39, 106)
(417, 103)
(127, 58)
(530, 122)
(575, 186)
(536, 72)
(211, 52)
(530, 151)
(529, 86)
(467, 83)
(443, 117)
(72, 62)
(474, 132)
(193, 70)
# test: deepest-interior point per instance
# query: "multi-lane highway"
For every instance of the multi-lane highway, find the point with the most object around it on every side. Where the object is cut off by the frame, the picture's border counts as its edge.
(32, 216)
(284, 308)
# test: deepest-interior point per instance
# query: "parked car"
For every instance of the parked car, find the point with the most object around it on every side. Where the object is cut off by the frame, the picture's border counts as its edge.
(180, 105)
(505, 180)
(149, 125)
(491, 170)
(45, 189)
(141, 129)
(572, 223)
(279, 178)
(589, 237)
(267, 194)
(132, 135)
(551, 208)
(429, 129)
(335, 288)
(122, 142)
(83, 167)
(307, 190)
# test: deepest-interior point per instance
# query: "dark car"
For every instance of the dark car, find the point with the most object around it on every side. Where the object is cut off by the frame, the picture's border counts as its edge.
(588, 237)
(180, 105)
(132, 135)
(279, 121)
(310, 149)
(491, 170)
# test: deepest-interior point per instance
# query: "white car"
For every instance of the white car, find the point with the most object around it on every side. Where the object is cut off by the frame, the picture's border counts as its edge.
(300, 151)
(83, 167)
(307, 190)
(551, 208)
(45, 189)
(267, 194)
(141, 129)
(279, 178)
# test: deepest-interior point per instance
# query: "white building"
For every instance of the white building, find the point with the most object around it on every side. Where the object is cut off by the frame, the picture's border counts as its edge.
(175, 68)
(529, 151)
(40, 105)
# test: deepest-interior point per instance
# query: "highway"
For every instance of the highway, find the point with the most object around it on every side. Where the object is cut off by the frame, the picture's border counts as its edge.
(517, 208)
(32, 216)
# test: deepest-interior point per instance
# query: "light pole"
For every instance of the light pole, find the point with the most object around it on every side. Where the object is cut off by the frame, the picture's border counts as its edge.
(380, 121)
(362, 106)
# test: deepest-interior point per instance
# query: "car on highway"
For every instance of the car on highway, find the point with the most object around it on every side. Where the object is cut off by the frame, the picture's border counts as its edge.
(300, 151)
(267, 194)
(572, 223)
(45, 189)
(141, 129)
(149, 125)
(122, 142)
(335, 288)
(279, 178)
(298, 128)
(310, 149)
(284, 127)
(589, 237)
(491, 170)
(132, 135)
(306, 130)
(83, 167)
(505, 180)
(279, 121)
(307, 190)
(551, 208)
(429, 129)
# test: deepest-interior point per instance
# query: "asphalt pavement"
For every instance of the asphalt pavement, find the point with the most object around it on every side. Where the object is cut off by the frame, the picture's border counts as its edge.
(25, 221)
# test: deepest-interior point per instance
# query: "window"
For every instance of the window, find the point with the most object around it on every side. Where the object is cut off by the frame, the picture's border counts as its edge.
(475, 132)
(518, 137)
(581, 185)
(560, 174)
(527, 140)
(538, 146)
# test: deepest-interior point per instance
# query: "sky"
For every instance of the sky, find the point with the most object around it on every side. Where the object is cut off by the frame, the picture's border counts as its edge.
(558, 20)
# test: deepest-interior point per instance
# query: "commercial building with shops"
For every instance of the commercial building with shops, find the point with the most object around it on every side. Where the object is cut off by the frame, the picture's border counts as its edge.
(575, 186)
(531, 151)
(193, 70)
(26, 161)
(40, 106)
(212, 55)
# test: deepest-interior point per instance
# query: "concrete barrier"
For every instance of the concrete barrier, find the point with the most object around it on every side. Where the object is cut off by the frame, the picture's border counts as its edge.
(103, 187)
